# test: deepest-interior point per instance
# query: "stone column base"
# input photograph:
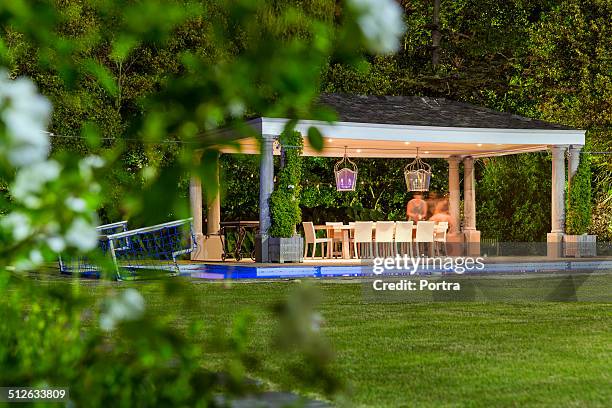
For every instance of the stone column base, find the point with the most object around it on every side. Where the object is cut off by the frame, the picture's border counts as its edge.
(554, 247)
(209, 248)
(261, 248)
(197, 254)
(472, 241)
(454, 243)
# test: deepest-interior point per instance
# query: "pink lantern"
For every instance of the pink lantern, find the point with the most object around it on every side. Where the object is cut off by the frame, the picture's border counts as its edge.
(346, 174)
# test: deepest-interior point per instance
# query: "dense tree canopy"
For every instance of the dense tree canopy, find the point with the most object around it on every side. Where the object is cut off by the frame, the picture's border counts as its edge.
(543, 59)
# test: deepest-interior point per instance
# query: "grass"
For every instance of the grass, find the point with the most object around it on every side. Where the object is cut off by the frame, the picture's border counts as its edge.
(423, 354)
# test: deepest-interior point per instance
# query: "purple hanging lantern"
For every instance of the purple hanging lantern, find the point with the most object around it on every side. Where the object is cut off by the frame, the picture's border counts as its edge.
(346, 174)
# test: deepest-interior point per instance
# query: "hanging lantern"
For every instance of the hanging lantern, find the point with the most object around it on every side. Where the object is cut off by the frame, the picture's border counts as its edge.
(417, 174)
(346, 174)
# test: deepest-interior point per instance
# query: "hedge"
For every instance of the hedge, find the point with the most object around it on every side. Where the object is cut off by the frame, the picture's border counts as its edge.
(579, 199)
(285, 200)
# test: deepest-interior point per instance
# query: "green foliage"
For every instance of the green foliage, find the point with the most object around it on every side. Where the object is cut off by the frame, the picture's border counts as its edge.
(146, 85)
(513, 198)
(380, 194)
(602, 218)
(542, 59)
(567, 74)
(285, 200)
(239, 187)
(578, 219)
(51, 337)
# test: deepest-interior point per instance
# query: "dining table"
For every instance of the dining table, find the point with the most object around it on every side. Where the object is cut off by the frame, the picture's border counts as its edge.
(346, 228)
(346, 233)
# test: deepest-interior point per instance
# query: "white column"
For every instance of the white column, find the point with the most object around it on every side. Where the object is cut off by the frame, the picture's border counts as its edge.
(454, 194)
(454, 237)
(558, 189)
(472, 235)
(555, 237)
(266, 187)
(195, 204)
(469, 195)
(213, 213)
(573, 162)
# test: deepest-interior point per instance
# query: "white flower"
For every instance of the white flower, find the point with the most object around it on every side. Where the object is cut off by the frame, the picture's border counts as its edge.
(316, 320)
(88, 163)
(82, 235)
(130, 305)
(19, 223)
(381, 23)
(56, 243)
(76, 204)
(34, 260)
(30, 181)
(26, 115)
(36, 257)
(236, 108)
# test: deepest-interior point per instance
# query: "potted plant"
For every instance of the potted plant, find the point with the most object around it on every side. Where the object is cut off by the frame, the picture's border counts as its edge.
(284, 244)
(577, 242)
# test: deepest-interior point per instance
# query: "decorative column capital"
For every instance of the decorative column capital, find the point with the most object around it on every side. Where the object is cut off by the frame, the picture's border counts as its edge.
(575, 150)
(573, 160)
(468, 162)
(558, 150)
(453, 161)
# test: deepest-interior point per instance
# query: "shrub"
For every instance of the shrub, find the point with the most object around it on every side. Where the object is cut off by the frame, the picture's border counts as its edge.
(285, 200)
(579, 200)
(602, 218)
(513, 198)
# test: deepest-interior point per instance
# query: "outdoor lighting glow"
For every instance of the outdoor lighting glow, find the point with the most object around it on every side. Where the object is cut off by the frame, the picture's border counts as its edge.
(330, 140)
(426, 151)
(479, 145)
(417, 174)
(346, 173)
(407, 143)
(358, 150)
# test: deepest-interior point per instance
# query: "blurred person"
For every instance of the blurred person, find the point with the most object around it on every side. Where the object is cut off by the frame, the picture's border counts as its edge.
(433, 198)
(441, 213)
(416, 209)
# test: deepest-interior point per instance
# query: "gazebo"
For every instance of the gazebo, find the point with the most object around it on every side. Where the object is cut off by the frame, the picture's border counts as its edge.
(394, 127)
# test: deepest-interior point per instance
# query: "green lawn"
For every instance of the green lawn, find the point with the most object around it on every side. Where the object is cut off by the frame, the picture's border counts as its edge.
(427, 354)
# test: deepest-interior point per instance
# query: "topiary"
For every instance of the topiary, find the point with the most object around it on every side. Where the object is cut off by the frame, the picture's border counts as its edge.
(285, 200)
(579, 199)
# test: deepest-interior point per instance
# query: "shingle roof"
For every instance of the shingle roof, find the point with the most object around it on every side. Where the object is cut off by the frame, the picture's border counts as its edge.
(425, 111)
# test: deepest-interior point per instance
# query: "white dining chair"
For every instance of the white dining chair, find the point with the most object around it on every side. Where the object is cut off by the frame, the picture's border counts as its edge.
(383, 238)
(310, 238)
(363, 238)
(335, 233)
(403, 237)
(440, 236)
(352, 239)
(425, 235)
